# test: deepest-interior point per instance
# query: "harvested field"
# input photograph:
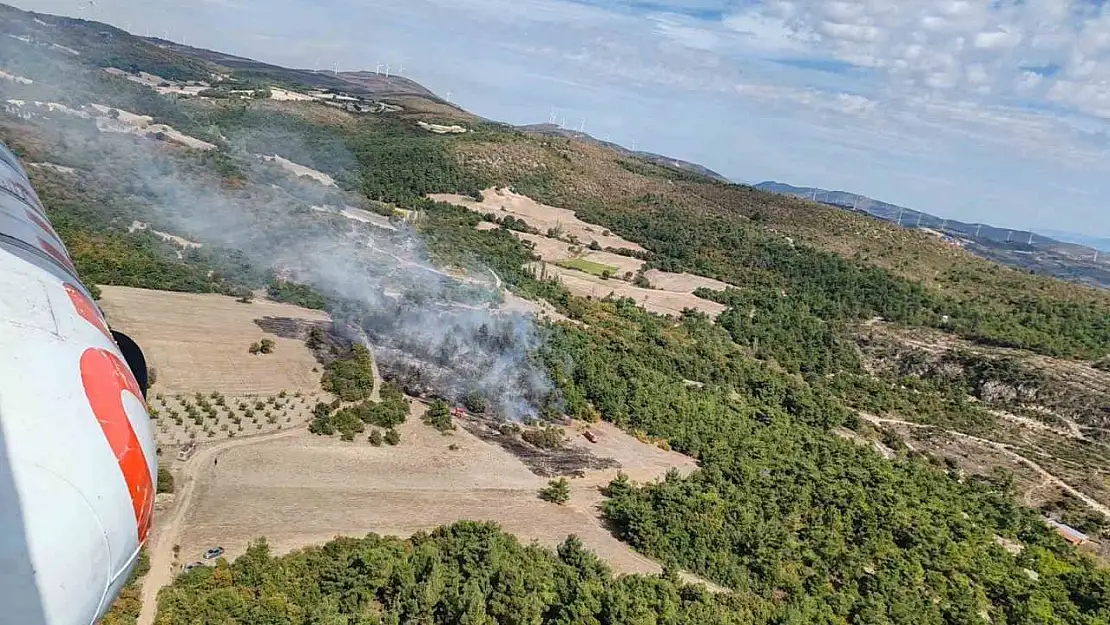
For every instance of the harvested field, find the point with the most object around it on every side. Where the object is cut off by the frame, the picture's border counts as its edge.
(198, 342)
(682, 282)
(662, 302)
(553, 250)
(541, 309)
(299, 170)
(300, 490)
(504, 202)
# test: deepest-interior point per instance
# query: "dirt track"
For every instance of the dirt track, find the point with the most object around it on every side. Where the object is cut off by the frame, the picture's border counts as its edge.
(1007, 450)
(167, 531)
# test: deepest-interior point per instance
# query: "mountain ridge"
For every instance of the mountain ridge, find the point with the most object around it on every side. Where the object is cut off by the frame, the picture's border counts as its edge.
(1022, 249)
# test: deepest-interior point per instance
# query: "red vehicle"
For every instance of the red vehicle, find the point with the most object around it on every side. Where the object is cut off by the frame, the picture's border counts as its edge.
(590, 436)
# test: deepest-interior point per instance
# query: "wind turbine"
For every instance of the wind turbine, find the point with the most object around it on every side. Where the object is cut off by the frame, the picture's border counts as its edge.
(919, 217)
(448, 97)
(378, 68)
(582, 127)
(387, 70)
(551, 118)
(978, 229)
(1010, 236)
(1030, 238)
(401, 70)
(337, 69)
(900, 211)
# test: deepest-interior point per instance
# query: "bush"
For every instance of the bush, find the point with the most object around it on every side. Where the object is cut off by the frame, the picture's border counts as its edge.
(557, 491)
(375, 438)
(438, 416)
(545, 437)
(165, 480)
(476, 402)
(254, 349)
(392, 437)
(267, 346)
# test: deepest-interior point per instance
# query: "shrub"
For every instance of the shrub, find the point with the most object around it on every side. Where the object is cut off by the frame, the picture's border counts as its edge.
(392, 437)
(557, 491)
(165, 480)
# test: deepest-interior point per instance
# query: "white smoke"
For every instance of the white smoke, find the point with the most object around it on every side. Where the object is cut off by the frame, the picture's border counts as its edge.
(442, 332)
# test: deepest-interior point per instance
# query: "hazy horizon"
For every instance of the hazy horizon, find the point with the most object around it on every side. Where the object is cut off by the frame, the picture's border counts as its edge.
(996, 113)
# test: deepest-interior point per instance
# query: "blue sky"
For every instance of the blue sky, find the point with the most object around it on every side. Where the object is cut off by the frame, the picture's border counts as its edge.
(995, 111)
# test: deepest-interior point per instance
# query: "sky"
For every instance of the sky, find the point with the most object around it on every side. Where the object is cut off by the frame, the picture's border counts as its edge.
(987, 110)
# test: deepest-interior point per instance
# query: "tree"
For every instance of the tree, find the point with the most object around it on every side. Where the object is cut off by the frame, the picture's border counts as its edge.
(266, 346)
(475, 401)
(438, 415)
(254, 349)
(556, 491)
(392, 437)
(165, 480)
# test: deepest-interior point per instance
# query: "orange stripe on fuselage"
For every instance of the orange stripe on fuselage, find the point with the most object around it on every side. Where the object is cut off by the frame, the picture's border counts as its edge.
(87, 309)
(105, 378)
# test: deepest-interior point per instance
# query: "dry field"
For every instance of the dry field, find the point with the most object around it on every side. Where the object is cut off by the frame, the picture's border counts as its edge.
(504, 202)
(670, 292)
(198, 342)
(662, 302)
(683, 282)
(554, 250)
(300, 490)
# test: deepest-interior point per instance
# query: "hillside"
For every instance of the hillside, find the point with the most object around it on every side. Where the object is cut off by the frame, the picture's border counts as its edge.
(1075, 259)
(882, 423)
(553, 130)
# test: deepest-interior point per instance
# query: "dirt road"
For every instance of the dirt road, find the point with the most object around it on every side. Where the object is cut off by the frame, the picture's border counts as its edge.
(1009, 451)
(166, 534)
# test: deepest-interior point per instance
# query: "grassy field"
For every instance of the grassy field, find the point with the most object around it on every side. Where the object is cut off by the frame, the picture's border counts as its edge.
(588, 266)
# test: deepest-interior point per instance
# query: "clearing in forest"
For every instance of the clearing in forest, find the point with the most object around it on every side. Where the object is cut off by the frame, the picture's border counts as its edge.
(502, 202)
(200, 342)
(661, 302)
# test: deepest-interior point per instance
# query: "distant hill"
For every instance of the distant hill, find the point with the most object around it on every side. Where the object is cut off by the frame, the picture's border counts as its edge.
(364, 83)
(657, 159)
(1101, 243)
(1070, 259)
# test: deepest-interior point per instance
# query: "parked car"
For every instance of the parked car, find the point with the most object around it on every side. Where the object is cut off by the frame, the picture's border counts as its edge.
(193, 565)
(213, 553)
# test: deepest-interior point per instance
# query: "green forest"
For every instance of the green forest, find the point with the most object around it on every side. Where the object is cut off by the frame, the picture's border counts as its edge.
(467, 573)
(802, 525)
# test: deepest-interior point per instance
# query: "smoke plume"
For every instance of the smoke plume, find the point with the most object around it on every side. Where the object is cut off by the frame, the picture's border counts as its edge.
(439, 333)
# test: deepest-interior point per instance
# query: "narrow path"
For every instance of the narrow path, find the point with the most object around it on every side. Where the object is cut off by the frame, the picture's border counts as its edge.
(376, 394)
(161, 547)
(1006, 449)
